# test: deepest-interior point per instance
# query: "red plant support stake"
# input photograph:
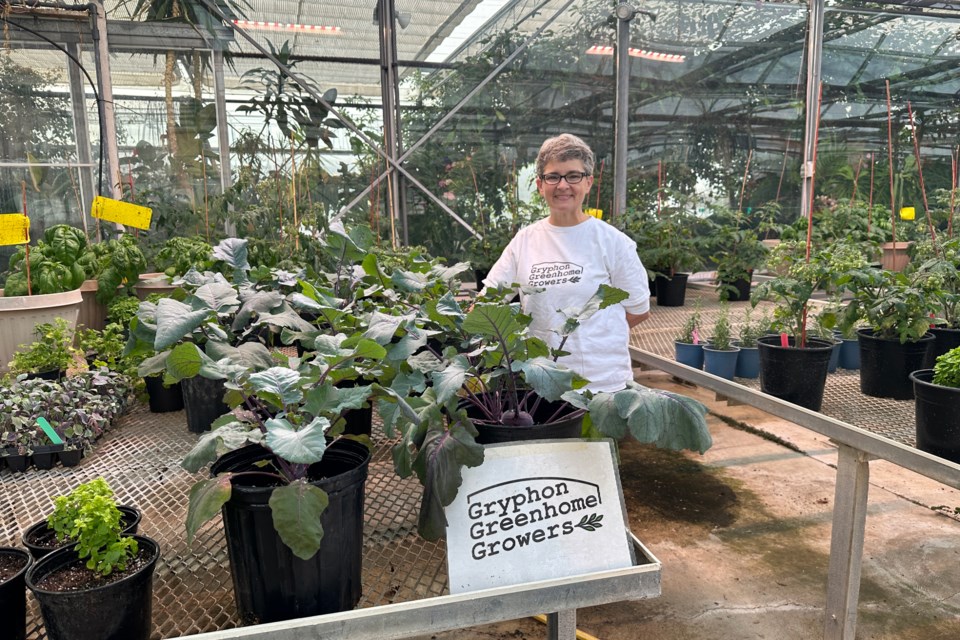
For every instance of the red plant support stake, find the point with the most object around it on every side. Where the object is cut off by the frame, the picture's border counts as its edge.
(659, 186)
(784, 340)
(873, 165)
(953, 191)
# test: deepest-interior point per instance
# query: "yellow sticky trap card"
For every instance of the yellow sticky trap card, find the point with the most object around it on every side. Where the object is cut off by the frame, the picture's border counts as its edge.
(14, 228)
(130, 215)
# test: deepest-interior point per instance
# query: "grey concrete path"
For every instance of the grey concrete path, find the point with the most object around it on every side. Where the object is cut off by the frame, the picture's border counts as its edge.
(744, 534)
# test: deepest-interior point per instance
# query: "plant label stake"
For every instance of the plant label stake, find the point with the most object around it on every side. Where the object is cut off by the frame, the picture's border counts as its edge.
(47, 429)
(129, 215)
(784, 341)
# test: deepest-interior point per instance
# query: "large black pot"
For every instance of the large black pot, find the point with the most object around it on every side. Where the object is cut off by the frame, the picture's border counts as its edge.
(163, 399)
(937, 415)
(671, 292)
(269, 582)
(568, 423)
(736, 291)
(359, 422)
(793, 374)
(886, 365)
(120, 610)
(203, 401)
(13, 595)
(40, 539)
(944, 340)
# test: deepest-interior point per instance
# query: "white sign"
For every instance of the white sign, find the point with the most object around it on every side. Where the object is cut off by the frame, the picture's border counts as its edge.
(537, 511)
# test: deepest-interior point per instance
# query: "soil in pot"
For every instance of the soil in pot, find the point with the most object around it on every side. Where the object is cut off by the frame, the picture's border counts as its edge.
(115, 607)
(270, 583)
(13, 603)
(40, 539)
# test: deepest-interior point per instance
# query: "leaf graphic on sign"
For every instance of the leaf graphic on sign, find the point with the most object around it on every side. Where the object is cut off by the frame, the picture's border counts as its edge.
(590, 522)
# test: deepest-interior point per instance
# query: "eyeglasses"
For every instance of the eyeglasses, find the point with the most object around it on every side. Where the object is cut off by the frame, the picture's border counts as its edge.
(574, 177)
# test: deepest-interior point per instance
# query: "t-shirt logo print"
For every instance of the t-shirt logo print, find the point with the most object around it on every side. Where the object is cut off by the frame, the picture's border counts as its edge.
(549, 274)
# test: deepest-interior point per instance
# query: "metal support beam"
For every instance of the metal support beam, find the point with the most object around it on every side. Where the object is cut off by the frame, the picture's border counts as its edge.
(562, 625)
(78, 101)
(389, 92)
(108, 131)
(223, 131)
(814, 57)
(621, 149)
(846, 544)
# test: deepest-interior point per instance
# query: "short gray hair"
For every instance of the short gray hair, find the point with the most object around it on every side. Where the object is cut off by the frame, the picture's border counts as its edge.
(562, 148)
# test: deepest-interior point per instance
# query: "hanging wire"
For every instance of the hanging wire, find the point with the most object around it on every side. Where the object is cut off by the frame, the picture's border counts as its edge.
(93, 87)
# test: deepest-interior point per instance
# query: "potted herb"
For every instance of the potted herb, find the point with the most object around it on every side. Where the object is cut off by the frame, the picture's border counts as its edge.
(50, 355)
(937, 393)
(13, 602)
(41, 538)
(496, 386)
(897, 309)
(110, 594)
(116, 264)
(720, 355)
(688, 343)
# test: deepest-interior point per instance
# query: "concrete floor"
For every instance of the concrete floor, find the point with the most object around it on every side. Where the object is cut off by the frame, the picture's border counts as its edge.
(743, 533)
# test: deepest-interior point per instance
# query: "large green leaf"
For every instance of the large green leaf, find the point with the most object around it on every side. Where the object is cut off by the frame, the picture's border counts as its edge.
(218, 296)
(408, 281)
(296, 509)
(497, 321)
(153, 365)
(443, 455)
(206, 499)
(280, 382)
(383, 327)
(224, 437)
(184, 361)
(449, 380)
(175, 321)
(603, 298)
(259, 303)
(407, 346)
(605, 416)
(666, 419)
(233, 251)
(301, 446)
(549, 379)
(445, 273)
(285, 319)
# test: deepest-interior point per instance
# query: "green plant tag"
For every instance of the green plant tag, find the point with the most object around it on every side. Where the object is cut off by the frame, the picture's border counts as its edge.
(47, 429)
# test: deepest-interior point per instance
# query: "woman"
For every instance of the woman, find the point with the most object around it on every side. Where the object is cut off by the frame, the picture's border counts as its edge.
(569, 255)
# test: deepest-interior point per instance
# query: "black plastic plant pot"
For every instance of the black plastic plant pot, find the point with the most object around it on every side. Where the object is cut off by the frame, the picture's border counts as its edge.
(886, 365)
(163, 399)
(50, 374)
(269, 582)
(671, 292)
(944, 340)
(937, 416)
(120, 610)
(13, 592)
(70, 457)
(738, 290)
(203, 402)
(793, 374)
(17, 463)
(479, 275)
(567, 422)
(45, 456)
(40, 539)
(359, 422)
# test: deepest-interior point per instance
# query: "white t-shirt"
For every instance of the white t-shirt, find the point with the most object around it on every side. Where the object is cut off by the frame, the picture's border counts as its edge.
(570, 263)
